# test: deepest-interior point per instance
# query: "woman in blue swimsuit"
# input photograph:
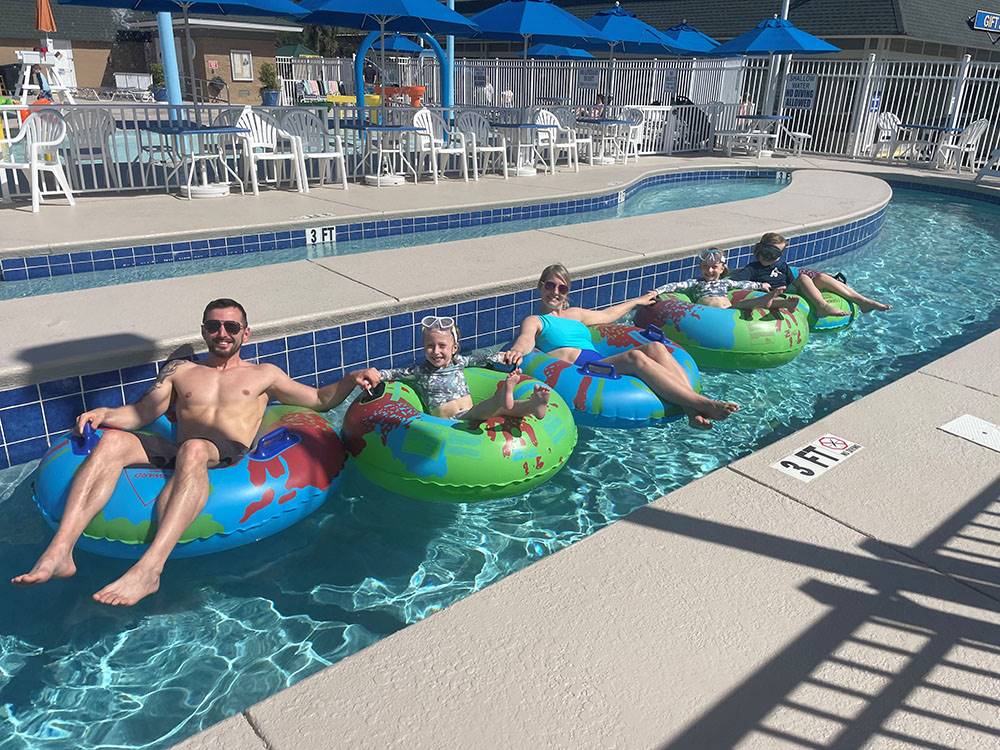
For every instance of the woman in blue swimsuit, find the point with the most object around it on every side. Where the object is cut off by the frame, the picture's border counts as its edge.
(560, 331)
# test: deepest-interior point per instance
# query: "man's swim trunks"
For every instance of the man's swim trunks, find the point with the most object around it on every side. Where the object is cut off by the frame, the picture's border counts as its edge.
(162, 453)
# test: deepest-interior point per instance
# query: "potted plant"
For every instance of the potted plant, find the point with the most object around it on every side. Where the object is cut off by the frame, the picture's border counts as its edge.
(268, 76)
(159, 85)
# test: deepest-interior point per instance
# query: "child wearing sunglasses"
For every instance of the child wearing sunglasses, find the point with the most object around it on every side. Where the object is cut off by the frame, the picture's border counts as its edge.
(712, 288)
(769, 267)
(441, 383)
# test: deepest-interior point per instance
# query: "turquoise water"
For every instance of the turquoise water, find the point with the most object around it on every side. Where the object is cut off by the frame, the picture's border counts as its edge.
(654, 199)
(228, 630)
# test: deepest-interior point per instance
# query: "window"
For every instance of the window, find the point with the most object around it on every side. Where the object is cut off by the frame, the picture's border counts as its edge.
(241, 62)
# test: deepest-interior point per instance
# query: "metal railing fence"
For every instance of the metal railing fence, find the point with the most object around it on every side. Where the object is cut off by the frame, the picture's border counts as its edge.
(840, 116)
(849, 95)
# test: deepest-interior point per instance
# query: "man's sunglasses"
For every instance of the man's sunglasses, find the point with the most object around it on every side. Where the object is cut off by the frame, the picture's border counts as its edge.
(231, 326)
(551, 286)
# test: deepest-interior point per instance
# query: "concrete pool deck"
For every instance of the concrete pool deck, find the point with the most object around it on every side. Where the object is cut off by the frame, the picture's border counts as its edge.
(98, 221)
(746, 609)
(83, 333)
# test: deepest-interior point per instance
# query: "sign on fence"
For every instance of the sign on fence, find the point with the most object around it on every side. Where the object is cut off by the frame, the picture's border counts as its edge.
(479, 77)
(876, 102)
(670, 81)
(800, 91)
(588, 78)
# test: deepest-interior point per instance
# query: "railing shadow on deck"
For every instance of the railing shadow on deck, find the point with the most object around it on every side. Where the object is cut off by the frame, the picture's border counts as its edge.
(797, 698)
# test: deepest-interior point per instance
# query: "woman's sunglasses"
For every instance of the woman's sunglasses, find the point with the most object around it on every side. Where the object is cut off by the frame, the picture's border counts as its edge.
(551, 286)
(434, 321)
(231, 326)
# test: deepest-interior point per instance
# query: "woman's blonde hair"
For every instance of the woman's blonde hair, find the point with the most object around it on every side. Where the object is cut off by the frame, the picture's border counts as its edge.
(558, 271)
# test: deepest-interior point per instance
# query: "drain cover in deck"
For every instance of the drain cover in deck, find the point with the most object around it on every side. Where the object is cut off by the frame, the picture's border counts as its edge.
(976, 430)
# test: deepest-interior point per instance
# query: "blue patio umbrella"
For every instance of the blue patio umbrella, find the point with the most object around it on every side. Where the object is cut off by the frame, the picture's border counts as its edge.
(408, 16)
(536, 21)
(688, 37)
(632, 35)
(556, 52)
(398, 44)
(775, 36)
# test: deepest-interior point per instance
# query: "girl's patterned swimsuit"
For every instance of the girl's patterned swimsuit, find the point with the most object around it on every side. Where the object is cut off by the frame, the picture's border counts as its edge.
(698, 288)
(439, 385)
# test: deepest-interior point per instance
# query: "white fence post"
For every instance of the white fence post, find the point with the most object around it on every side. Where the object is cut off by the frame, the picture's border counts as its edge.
(958, 92)
(862, 96)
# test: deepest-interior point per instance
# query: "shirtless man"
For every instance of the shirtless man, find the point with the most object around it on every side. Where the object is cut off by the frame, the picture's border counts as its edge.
(219, 404)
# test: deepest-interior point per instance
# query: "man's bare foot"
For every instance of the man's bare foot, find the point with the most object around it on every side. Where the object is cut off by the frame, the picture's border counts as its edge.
(508, 389)
(718, 409)
(538, 401)
(136, 584)
(49, 566)
(867, 305)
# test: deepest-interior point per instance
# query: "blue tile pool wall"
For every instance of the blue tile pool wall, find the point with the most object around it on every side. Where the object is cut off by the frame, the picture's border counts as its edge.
(86, 261)
(34, 416)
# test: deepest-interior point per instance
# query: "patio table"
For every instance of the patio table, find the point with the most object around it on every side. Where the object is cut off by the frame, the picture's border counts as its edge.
(607, 136)
(917, 146)
(523, 167)
(375, 138)
(181, 156)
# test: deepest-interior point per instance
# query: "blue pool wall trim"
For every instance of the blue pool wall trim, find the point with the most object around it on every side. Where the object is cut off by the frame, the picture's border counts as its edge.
(87, 261)
(33, 417)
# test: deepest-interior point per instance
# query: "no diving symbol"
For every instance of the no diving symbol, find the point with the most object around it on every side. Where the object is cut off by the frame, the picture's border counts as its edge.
(833, 443)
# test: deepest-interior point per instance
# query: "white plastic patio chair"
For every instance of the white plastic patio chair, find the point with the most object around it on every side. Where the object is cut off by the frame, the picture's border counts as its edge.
(41, 134)
(582, 135)
(554, 140)
(886, 129)
(481, 139)
(436, 142)
(633, 139)
(90, 141)
(266, 143)
(964, 147)
(316, 145)
(991, 168)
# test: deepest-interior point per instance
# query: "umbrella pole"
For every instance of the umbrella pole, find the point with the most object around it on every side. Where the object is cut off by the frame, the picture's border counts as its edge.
(381, 26)
(189, 53)
(611, 73)
(527, 74)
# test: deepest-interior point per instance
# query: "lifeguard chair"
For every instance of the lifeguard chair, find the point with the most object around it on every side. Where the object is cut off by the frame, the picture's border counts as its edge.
(46, 65)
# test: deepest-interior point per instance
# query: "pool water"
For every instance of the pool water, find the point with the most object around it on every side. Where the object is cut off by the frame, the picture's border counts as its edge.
(653, 199)
(228, 630)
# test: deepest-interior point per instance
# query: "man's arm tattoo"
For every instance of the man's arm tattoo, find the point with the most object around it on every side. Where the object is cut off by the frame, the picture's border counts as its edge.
(168, 369)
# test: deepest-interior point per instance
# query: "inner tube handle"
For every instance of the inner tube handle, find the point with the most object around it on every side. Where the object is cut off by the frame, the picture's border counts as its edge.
(594, 368)
(374, 394)
(273, 443)
(86, 442)
(653, 333)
